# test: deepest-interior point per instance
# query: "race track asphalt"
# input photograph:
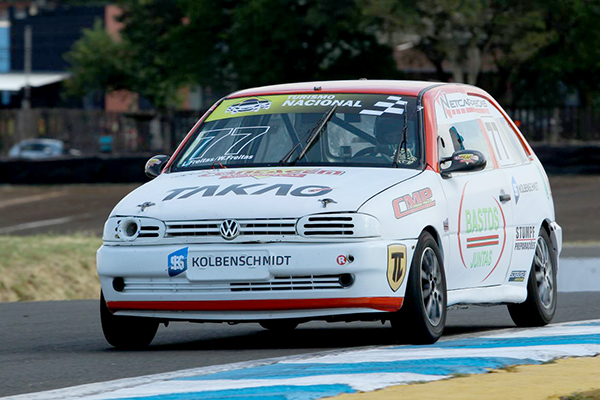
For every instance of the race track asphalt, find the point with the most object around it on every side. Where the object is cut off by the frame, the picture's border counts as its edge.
(27, 210)
(51, 345)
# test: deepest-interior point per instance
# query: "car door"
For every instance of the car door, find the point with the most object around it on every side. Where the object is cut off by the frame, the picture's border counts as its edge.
(478, 203)
(529, 191)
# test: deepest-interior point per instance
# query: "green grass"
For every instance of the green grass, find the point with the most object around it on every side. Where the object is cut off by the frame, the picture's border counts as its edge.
(591, 395)
(48, 267)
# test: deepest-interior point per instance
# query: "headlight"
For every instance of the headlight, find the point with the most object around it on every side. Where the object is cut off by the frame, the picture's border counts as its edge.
(339, 225)
(129, 229)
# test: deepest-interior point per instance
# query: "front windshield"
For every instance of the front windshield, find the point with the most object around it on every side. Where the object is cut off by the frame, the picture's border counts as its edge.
(377, 130)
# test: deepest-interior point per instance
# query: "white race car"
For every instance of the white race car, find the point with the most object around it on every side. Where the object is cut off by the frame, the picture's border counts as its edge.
(342, 201)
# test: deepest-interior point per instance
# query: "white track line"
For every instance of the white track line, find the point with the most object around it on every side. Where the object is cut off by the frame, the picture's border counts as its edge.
(33, 198)
(103, 388)
(43, 223)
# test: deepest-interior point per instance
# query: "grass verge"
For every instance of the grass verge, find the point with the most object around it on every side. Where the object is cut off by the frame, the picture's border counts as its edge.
(591, 395)
(48, 267)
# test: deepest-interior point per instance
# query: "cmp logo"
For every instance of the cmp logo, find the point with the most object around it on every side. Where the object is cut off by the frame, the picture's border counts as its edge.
(230, 229)
(177, 262)
(396, 270)
(409, 204)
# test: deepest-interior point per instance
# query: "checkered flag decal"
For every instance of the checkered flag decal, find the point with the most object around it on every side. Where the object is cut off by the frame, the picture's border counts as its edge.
(389, 107)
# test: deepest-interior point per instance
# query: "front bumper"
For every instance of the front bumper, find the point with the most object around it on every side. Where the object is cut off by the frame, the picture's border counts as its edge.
(290, 280)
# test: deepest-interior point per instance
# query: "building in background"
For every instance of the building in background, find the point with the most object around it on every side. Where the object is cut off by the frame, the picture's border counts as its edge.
(55, 27)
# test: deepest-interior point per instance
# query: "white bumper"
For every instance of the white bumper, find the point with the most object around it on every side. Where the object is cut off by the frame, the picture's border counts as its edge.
(276, 280)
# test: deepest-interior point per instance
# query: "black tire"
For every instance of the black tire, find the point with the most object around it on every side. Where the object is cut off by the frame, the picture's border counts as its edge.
(127, 333)
(422, 318)
(279, 325)
(540, 306)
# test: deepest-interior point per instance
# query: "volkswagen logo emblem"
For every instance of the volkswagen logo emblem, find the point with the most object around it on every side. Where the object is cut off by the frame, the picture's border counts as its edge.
(230, 229)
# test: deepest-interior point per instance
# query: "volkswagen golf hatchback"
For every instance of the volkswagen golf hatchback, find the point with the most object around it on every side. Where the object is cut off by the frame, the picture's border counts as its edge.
(337, 201)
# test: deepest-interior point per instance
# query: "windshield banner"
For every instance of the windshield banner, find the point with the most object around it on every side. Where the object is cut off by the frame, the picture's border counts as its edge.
(367, 104)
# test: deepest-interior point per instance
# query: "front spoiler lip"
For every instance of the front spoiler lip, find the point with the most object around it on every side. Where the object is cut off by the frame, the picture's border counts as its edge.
(389, 304)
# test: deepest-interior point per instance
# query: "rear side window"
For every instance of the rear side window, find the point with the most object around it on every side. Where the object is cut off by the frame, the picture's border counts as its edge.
(512, 141)
(469, 122)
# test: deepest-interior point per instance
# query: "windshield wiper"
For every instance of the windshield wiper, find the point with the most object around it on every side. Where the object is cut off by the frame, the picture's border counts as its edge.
(312, 135)
(403, 143)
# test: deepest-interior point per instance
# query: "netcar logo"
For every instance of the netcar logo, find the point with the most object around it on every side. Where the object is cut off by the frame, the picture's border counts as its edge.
(230, 229)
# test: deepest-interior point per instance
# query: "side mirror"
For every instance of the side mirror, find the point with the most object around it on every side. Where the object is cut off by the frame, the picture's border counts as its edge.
(463, 161)
(155, 165)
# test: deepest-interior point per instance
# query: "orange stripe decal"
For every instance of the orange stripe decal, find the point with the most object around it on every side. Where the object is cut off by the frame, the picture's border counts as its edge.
(376, 303)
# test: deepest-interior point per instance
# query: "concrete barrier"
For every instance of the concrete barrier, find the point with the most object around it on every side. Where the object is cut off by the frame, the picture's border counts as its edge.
(100, 169)
(557, 159)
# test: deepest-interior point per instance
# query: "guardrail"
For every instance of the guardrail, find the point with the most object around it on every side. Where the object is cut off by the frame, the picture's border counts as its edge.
(557, 159)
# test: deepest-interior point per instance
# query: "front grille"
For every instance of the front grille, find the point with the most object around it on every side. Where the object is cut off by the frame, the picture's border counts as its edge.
(277, 283)
(329, 225)
(248, 227)
(309, 282)
(149, 231)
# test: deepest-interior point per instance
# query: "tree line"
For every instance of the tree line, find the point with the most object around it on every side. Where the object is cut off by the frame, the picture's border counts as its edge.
(534, 53)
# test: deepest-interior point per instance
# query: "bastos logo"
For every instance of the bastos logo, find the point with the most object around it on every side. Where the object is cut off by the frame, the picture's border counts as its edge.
(412, 203)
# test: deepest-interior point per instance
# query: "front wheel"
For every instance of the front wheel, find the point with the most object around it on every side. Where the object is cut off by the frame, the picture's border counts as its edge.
(127, 333)
(540, 305)
(422, 318)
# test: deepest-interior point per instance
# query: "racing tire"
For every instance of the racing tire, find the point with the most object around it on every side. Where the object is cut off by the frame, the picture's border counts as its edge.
(126, 333)
(279, 325)
(540, 306)
(422, 318)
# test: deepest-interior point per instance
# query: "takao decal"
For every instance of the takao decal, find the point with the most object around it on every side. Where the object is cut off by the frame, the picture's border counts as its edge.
(255, 189)
(177, 261)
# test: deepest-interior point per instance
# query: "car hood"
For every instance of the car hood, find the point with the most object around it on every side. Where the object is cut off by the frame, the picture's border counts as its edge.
(258, 193)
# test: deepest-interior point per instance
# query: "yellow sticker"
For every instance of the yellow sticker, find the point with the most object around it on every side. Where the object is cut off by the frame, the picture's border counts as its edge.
(396, 270)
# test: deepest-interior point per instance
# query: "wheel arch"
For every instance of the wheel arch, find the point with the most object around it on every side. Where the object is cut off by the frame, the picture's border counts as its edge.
(548, 226)
(438, 239)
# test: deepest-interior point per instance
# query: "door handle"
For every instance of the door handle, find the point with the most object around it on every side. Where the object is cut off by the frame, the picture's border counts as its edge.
(505, 197)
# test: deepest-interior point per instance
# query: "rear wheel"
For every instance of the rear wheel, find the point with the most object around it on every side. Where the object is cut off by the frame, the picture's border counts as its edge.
(422, 318)
(131, 333)
(279, 325)
(540, 305)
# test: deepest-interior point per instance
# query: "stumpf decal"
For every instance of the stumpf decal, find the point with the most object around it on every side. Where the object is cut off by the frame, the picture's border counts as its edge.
(177, 261)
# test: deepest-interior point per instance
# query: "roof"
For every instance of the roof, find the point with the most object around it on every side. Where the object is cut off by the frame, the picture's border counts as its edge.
(15, 81)
(408, 88)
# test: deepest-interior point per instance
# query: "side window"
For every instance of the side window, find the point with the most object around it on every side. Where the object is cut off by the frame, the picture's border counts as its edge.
(445, 142)
(466, 135)
(512, 141)
(503, 151)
